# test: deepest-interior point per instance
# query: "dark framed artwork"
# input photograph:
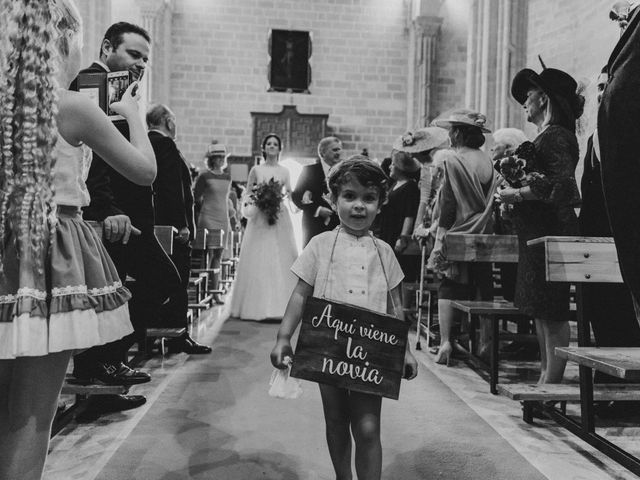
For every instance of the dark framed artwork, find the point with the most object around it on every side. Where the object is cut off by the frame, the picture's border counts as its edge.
(289, 69)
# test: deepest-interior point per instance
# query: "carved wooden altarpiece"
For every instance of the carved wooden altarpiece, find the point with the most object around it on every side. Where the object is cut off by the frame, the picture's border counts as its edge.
(300, 132)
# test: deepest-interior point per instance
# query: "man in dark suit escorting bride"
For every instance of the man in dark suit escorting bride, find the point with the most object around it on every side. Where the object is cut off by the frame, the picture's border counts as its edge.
(308, 196)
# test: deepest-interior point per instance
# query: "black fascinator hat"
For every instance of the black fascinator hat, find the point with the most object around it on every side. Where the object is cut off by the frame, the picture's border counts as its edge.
(558, 85)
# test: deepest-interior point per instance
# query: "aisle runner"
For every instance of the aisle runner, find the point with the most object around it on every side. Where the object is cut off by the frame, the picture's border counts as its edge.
(215, 421)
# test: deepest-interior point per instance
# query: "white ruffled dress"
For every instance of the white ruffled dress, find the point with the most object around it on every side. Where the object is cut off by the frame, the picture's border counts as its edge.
(78, 301)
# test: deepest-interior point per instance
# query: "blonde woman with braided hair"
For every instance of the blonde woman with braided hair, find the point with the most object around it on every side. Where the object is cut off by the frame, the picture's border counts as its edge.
(59, 290)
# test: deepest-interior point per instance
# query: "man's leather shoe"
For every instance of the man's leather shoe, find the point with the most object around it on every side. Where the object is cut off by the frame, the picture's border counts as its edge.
(99, 404)
(120, 374)
(188, 345)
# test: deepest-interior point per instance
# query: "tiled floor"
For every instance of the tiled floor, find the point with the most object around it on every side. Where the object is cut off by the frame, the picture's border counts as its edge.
(87, 451)
(554, 451)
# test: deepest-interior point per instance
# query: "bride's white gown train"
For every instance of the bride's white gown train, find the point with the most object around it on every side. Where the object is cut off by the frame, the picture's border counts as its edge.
(264, 281)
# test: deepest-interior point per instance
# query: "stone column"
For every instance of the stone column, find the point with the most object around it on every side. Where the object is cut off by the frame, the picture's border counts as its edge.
(96, 17)
(495, 53)
(155, 18)
(423, 37)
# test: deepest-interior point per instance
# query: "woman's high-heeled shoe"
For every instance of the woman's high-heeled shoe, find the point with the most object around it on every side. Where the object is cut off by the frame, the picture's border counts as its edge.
(444, 354)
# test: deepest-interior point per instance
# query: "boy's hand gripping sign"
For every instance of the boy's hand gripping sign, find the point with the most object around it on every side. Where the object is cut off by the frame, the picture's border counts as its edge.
(350, 347)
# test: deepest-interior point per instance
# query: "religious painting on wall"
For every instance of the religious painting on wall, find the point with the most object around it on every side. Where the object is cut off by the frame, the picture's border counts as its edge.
(289, 69)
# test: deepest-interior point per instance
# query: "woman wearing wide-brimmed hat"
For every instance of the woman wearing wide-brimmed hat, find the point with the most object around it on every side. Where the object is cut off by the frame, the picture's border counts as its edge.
(422, 144)
(211, 191)
(464, 205)
(546, 205)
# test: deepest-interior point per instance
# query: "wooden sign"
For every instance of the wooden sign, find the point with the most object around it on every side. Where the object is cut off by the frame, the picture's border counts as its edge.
(350, 347)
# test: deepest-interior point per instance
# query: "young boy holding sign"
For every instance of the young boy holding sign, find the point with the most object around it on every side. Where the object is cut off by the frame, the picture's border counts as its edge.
(348, 265)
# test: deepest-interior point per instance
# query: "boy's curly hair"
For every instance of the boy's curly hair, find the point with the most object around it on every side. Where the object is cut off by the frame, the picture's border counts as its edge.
(361, 168)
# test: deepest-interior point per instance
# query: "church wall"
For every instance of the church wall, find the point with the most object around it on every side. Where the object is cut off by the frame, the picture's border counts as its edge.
(220, 58)
(575, 36)
(451, 57)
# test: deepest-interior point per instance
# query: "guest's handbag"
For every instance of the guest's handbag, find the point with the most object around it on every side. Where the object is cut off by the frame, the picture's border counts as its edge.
(350, 347)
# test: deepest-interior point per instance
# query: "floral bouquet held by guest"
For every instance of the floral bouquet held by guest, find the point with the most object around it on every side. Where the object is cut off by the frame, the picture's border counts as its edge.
(516, 171)
(266, 197)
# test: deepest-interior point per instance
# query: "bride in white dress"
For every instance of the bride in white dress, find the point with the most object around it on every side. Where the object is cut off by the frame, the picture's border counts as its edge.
(264, 281)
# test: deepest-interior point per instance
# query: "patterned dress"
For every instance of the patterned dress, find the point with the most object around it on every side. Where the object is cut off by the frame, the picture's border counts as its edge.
(77, 301)
(553, 214)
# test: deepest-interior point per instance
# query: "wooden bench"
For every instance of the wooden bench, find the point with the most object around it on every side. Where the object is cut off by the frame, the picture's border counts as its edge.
(620, 362)
(492, 312)
(534, 394)
(81, 392)
(582, 260)
(164, 333)
(486, 248)
(165, 235)
(72, 387)
(199, 298)
(205, 243)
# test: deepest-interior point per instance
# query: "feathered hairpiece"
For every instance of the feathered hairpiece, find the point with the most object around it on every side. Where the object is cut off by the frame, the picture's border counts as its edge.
(544, 67)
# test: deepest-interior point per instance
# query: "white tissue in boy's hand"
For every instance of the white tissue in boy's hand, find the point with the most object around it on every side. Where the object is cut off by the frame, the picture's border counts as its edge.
(282, 385)
(306, 198)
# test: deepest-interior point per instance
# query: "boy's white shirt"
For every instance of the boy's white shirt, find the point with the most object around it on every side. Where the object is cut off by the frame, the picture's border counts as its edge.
(356, 276)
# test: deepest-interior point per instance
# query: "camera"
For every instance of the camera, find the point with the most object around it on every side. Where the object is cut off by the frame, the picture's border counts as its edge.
(105, 89)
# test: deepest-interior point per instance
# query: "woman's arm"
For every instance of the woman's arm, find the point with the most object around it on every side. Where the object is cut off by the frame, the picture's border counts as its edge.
(251, 180)
(81, 120)
(405, 235)
(199, 187)
(290, 321)
(422, 208)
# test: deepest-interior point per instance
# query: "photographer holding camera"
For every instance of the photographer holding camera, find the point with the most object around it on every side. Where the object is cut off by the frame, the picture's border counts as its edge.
(126, 211)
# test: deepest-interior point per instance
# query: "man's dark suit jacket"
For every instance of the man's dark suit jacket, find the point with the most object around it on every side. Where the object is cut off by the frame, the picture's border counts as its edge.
(312, 179)
(111, 193)
(619, 135)
(606, 306)
(172, 187)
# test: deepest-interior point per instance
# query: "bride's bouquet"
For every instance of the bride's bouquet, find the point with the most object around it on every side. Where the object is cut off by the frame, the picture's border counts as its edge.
(266, 197)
